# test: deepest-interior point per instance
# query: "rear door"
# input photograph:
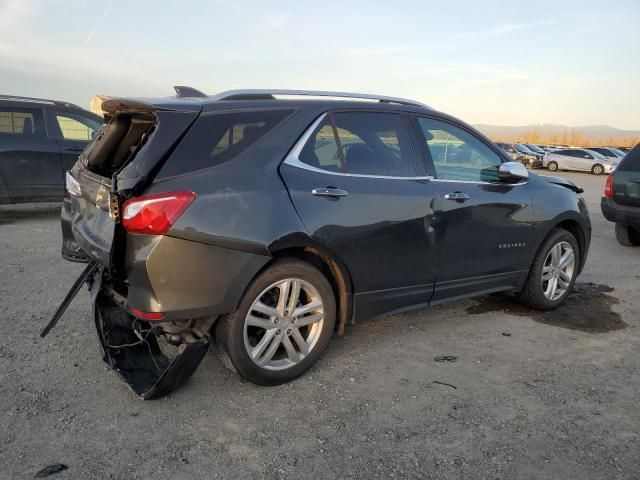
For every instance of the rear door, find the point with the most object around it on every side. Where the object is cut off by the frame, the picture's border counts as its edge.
(482, 225)
(361, 195)
(74, 131)
(29, 161)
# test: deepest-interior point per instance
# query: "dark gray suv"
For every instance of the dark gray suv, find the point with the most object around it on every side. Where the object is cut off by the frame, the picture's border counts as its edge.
(39, 140)
(263, 222)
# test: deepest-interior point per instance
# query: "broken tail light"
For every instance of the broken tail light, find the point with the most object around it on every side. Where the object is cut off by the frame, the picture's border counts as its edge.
(155, 214)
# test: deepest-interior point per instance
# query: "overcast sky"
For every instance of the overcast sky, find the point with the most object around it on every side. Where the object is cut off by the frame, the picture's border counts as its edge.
(509, 63)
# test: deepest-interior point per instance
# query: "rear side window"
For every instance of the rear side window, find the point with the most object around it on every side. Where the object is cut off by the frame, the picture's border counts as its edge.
(631, 161)
(218, 138)
(26, 122)
(363, 143)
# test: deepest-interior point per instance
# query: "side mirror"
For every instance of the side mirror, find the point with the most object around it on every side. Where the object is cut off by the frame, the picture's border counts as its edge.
(513, 172)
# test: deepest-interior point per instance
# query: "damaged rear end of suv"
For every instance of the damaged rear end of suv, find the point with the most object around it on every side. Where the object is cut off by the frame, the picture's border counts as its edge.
(112, 221)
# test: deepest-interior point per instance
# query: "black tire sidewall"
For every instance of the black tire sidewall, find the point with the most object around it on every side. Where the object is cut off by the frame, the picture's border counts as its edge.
(233, 331)
(556, 237)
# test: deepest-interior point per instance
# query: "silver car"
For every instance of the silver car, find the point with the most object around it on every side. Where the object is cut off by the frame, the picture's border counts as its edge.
(580, 160)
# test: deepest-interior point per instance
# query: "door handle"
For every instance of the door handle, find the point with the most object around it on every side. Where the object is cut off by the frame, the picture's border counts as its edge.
(73, 149)
(457, 196)
(329, 192)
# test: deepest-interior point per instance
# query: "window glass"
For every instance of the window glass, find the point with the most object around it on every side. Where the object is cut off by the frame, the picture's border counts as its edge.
(321, 151)
(218, 138)
(370, 144)
(374, 144)
(77, 127)
(457, 154)
(22, 121)
(631, 162)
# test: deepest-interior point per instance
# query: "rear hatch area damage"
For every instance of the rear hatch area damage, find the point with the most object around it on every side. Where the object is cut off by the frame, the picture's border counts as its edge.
(121, 162)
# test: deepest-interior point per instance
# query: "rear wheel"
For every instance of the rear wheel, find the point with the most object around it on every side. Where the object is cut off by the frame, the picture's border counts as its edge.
(627, 236)
(553, 166)
(284, 322)
(597, 169)
(553, 272)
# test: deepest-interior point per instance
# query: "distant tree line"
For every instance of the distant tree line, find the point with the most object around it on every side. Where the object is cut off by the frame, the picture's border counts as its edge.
(567, 137)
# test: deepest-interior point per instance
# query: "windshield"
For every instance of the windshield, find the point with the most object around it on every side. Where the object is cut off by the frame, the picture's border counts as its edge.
(534, 148)
(522, 149)
(618, 152)
(597, 155)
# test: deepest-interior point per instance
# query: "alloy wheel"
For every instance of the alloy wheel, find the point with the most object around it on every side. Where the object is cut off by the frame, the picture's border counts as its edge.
(557, 270)
(283, 324)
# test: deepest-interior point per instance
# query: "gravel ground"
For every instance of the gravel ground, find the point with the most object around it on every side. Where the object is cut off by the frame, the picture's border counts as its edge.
(529, 396)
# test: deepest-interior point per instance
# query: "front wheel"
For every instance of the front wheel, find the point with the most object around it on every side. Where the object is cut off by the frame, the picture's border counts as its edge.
(284, 322)
(597, 169)
(553, 272)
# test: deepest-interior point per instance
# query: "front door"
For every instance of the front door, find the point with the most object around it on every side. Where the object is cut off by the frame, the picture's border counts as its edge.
(29, 159)
(354, 182)
(482, 224)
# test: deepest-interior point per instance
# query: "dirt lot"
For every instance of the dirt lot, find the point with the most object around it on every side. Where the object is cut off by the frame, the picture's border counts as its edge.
(529, 396)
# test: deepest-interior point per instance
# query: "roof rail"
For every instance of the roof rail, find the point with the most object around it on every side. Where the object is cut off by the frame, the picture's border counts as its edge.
(183, 91)
(267, 94)
(17, 98)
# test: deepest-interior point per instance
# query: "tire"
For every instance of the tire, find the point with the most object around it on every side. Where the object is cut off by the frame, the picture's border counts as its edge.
(238, 333)
(533, 292)
(627, 236)
(553, 166)
(597, 169)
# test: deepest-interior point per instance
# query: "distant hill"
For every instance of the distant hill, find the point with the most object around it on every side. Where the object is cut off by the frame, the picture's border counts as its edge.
(550, 133)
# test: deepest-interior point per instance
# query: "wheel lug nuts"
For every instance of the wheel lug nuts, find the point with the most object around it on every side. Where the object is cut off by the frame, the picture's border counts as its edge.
(278, 331)
(288, 331)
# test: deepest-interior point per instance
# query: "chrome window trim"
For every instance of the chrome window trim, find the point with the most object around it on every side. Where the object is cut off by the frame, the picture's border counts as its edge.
(293, 158)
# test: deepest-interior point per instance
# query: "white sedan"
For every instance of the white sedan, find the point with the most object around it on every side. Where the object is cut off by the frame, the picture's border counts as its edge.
(580, 160)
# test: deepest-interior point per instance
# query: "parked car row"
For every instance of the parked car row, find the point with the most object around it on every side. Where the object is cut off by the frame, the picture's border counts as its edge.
(597, 160)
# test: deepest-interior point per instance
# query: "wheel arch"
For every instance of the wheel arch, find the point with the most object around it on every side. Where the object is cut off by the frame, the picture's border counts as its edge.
(575, 227)
(336, 272)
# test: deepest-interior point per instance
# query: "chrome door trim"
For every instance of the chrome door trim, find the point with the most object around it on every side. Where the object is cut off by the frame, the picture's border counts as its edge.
(294, 160)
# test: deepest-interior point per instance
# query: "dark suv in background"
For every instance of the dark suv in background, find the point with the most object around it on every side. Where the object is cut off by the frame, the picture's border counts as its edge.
(263, 222)
(39, 140)
(621, 200)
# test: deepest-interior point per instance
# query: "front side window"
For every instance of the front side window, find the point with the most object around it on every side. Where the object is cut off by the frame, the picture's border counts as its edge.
(26, 122)
(77, 127)
(457, 154)
(363, 143)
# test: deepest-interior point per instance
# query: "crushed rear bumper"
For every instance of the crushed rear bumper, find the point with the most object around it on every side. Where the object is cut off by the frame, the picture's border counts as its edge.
(130, 347)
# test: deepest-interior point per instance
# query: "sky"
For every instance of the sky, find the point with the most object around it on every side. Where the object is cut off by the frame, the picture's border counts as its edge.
(495, 62)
